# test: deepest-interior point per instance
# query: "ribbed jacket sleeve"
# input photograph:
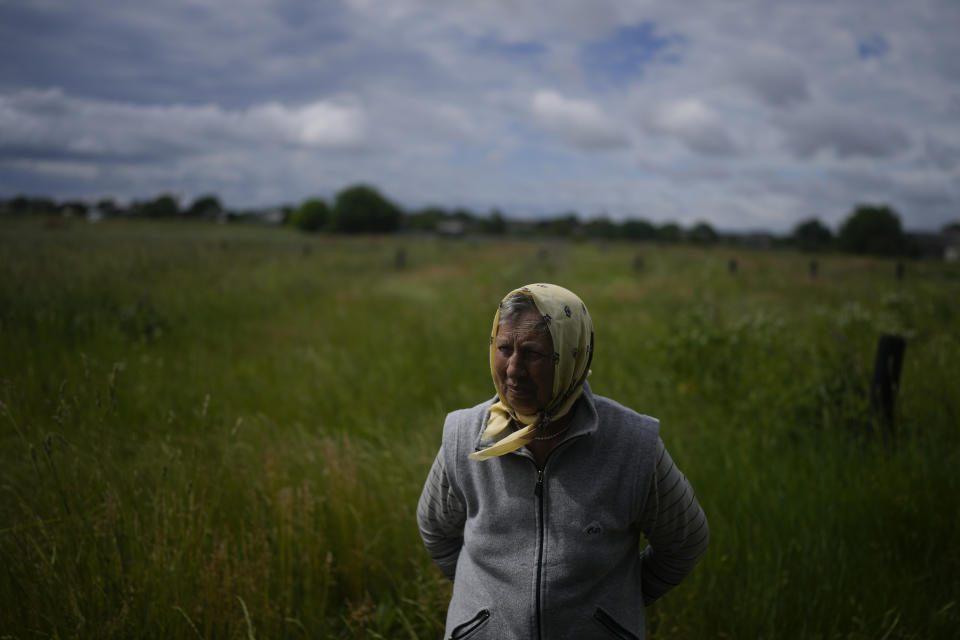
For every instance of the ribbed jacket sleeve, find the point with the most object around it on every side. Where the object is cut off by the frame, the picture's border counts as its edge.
(440, 518)
(675, 527)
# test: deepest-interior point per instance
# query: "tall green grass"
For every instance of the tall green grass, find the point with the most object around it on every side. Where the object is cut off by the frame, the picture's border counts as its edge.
(223, 431)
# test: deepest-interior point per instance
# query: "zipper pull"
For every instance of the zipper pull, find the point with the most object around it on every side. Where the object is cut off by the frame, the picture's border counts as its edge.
(538, 490)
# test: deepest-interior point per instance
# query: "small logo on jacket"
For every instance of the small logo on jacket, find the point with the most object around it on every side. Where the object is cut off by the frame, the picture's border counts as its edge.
(593, 529)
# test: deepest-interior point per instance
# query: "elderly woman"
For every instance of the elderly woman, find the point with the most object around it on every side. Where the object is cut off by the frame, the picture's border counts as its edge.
(537, 501)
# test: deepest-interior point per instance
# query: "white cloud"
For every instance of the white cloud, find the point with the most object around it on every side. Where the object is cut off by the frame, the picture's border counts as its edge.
(695, 124)
(322, 124)
(68, 169)
(49, 122)
(580, 123)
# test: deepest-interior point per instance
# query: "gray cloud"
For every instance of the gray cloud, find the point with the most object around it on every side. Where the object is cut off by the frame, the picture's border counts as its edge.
(778, 81)
(942, 154)
(845, 134)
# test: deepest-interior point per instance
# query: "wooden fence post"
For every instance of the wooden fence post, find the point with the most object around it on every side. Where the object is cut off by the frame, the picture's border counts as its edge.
(886, 378)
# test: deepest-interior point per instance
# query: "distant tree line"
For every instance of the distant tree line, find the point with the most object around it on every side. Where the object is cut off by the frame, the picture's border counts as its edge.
(360, 208)
(869, 229)
(163, 206)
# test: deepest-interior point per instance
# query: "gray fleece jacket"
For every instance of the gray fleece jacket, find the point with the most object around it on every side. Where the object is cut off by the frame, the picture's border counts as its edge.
(553, 552)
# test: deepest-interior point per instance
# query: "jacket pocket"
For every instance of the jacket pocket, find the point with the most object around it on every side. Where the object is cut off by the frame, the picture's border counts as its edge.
(615, 629)
(471, 626)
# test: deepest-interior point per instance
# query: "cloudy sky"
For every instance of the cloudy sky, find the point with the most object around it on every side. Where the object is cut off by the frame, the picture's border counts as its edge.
(753, 114)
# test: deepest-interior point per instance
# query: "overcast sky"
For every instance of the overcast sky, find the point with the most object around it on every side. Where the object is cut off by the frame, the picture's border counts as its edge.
(754, 114)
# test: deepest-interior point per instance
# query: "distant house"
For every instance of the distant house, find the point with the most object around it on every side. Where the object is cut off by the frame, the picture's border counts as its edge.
(451, 227)
(939, 246)
(951, 253)
(73, 210)
(757, 240)
(270, 216)
(274, 216)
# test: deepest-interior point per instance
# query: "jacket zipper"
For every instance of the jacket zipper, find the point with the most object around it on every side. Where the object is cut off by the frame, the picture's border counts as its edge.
(611, 625)
(471, 625)
(538, 491)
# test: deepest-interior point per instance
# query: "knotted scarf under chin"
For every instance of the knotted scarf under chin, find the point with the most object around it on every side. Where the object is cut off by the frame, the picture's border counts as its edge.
(501, 418)
(571, 330)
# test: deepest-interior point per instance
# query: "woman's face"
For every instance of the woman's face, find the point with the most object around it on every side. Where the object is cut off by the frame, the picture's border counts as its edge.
(523, 363)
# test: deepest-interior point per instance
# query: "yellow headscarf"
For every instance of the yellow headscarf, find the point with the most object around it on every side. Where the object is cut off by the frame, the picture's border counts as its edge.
(572, 332)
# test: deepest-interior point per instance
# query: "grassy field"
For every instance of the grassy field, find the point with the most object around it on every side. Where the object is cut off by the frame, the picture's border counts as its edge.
(222, 431)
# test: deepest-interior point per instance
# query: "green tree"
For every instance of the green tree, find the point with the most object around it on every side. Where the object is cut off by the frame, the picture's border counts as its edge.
(601, 227)
(312, 215)
(20, 204)
(670, 232)
(164, 206)
(872, 229)
(951, 227)
(43, 205)
(812, 235)
(107, 207)
(74, 208)
(494, 224)
(26, 204)
(703, 233)
(207, 206)
(361, 209)
(563, 226)
(638, 230)
(425, 219)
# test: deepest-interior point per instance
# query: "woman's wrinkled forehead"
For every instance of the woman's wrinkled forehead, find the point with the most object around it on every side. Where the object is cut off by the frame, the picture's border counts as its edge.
(529, 325)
